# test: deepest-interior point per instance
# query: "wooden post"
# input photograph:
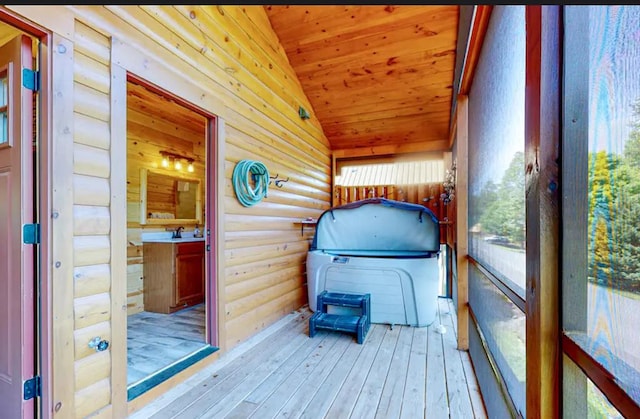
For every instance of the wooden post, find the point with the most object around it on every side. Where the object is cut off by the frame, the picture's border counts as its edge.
(118, 239)
(62, 280)
(217, 242)
(542, 139)
(462, 215)
(333, 181)
(575, 171)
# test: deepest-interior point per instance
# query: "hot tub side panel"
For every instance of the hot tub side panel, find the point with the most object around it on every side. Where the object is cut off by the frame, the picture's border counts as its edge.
(403, 290)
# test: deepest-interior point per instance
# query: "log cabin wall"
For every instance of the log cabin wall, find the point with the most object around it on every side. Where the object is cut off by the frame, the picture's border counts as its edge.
(227, 61)
(154, 124)
(91, 199)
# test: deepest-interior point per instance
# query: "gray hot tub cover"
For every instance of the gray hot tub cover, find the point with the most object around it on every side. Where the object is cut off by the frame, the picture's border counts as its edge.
(378, 227)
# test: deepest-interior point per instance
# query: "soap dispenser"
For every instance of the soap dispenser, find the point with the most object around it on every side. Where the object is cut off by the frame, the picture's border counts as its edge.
(196, 232)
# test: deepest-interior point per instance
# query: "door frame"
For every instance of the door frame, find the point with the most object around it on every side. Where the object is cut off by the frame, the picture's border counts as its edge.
(41, 184)
(211, 212)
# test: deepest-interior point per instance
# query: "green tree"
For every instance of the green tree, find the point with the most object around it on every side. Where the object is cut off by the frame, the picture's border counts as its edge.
(614, 214)
(488, 194)
(601, 203)
(626, 218)
(505, 214)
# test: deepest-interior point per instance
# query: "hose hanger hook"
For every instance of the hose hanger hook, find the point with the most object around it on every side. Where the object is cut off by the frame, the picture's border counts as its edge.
(277, 181)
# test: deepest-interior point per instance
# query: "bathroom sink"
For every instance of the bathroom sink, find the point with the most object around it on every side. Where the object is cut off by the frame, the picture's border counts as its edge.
(181, 240)
(165, 237)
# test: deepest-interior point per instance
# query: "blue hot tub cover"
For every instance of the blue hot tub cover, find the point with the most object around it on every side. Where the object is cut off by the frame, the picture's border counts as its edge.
(378, 227)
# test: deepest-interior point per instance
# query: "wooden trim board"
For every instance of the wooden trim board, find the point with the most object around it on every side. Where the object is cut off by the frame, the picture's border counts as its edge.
(62, 277)
(479, 29)
(462, 227)
(542, 144)
(118, 213)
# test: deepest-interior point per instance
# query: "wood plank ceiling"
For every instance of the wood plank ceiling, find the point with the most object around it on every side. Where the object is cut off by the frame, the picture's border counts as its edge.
(378, 77)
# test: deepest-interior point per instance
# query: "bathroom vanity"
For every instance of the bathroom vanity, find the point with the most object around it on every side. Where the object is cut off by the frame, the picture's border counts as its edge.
(173, 274)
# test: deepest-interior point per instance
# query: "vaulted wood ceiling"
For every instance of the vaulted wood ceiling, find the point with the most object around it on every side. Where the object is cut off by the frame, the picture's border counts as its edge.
(376, 76)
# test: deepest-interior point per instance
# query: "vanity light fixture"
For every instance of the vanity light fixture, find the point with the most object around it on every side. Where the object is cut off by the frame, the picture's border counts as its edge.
(168, 157)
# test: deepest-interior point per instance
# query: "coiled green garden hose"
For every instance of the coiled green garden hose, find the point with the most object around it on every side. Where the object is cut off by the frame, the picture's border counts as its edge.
(246, 194)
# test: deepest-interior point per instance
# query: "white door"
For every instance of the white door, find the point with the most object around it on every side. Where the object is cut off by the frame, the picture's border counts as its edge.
(16, 209)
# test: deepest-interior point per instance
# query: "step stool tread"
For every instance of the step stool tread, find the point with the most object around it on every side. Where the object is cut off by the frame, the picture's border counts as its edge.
(358, 324)
(342, 299)
(336, 322)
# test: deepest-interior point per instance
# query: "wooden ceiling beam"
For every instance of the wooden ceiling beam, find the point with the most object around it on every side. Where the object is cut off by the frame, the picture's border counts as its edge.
(386, 124)
(386, 139)
(413, 147)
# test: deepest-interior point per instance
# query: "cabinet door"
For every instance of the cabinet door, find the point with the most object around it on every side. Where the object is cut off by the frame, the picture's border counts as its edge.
(189, 278)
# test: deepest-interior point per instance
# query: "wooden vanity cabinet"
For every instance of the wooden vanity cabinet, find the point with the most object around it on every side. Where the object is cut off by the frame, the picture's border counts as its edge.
(173, 275)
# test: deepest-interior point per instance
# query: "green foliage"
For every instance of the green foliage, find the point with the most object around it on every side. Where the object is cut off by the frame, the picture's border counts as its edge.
(601, 201)
(598, 407)
(614, 214)
(502, 206)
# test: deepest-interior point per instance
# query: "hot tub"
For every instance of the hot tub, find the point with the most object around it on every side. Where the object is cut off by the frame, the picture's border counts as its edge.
(386, 248)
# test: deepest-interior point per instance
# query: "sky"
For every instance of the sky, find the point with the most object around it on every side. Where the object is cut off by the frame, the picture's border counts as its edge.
(496, 100)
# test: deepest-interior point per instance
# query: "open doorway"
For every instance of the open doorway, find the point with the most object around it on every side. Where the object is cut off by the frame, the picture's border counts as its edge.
(168, 323)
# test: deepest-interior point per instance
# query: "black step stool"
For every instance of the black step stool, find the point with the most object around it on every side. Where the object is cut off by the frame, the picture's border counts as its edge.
(342, 322)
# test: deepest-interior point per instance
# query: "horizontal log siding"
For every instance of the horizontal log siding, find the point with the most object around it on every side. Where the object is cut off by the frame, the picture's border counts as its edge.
(91, 215)
(234, 56)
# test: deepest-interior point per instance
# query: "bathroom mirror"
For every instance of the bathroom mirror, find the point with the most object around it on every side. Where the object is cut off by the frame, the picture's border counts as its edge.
(169, 198)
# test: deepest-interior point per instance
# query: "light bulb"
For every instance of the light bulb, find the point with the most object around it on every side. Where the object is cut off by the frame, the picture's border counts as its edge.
(165, 162)
(178, 165)
(190, 168)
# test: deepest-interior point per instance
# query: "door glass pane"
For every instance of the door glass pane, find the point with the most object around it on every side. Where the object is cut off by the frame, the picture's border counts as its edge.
(496, 150)
(613, 312)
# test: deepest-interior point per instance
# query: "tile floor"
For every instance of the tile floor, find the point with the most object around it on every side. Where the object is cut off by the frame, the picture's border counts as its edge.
(155, 340)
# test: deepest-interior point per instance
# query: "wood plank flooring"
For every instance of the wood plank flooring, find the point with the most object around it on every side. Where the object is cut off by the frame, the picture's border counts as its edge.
(404, 372)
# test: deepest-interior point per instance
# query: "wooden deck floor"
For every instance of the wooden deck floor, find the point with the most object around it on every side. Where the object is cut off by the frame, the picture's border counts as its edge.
(404, 372)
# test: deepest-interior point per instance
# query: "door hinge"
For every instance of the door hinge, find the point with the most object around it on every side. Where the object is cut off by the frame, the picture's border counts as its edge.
(31, 79)
(31, 234)
(32, 388)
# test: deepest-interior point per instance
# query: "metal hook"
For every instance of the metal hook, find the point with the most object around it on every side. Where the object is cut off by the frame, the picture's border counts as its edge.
(279, 182)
